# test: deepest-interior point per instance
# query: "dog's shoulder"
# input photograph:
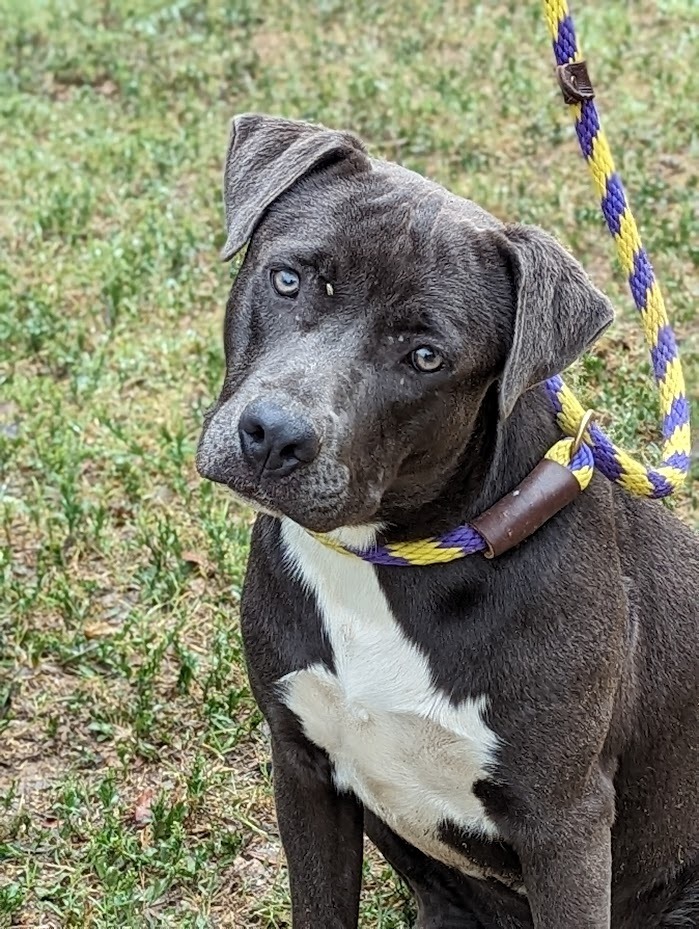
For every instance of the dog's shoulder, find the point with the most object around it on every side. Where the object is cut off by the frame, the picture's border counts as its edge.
(654, 543)
(659, 555)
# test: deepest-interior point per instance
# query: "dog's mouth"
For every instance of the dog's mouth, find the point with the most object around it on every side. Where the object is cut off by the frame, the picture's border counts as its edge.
(253, 504)
(314, 510)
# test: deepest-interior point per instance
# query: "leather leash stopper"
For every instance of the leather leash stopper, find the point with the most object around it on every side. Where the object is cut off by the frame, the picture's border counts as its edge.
(542, 494)
(575, 82)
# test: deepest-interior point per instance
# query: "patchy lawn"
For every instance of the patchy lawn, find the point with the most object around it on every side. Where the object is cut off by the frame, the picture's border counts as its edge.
(134, 780)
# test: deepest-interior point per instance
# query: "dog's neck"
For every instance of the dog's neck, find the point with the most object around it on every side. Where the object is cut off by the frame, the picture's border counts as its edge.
(492, 464)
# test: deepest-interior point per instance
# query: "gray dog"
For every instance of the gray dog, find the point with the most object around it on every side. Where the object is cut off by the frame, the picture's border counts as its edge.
(518, 736)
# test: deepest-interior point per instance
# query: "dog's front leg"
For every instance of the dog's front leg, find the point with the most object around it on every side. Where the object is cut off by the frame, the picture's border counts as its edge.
(568, 878)
(322, 832)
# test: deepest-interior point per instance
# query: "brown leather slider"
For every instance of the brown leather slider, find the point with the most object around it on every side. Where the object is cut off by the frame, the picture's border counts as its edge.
(575, 82)
(542, 493)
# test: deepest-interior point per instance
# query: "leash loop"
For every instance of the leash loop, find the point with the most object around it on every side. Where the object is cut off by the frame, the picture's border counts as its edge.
(582, 429)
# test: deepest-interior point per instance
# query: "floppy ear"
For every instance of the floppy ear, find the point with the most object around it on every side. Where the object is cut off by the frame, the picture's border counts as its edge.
(266, 156)
(558, 311)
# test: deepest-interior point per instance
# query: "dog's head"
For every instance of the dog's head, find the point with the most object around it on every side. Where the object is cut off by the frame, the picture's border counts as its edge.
(373, 314)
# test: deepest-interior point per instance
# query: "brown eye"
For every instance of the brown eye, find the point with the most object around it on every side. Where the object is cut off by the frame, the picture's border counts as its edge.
(426, 359)
(286, 282)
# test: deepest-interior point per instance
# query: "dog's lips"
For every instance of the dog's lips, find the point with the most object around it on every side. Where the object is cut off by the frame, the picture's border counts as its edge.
(254, 504)
(251, 496)
(298, 510)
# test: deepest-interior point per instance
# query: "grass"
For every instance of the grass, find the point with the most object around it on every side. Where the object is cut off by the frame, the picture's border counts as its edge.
(134, 780)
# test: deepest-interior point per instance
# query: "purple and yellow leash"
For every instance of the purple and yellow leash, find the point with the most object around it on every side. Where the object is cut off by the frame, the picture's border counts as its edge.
(588, 447)
(613, 462)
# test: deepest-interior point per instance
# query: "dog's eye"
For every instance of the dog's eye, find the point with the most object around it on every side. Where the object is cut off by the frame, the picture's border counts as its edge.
(426, 359)
(286, 282)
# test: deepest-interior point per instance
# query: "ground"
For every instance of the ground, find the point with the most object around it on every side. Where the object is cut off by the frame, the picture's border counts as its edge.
(134, 780)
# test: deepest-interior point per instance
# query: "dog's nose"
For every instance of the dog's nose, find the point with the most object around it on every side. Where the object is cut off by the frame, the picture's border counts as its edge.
(276, 439)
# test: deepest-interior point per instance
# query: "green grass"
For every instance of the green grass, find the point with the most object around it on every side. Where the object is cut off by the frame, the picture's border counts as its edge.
(134, 785)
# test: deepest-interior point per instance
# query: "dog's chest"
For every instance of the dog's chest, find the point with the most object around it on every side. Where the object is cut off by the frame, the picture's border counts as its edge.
(397, 742)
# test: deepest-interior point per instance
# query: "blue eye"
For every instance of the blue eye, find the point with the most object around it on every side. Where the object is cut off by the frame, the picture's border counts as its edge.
(286, 282)
(426, 359)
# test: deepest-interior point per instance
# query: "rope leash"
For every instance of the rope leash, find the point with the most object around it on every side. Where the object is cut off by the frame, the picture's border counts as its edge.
(614, 462)
(588, 446)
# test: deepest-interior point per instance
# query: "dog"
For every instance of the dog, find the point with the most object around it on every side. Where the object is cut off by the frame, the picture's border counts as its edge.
(519, 736)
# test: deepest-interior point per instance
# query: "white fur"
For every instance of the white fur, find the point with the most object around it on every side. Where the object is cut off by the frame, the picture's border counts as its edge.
(395, 740)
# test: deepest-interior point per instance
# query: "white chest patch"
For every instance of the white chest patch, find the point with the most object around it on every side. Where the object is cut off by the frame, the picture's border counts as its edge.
(396, 741)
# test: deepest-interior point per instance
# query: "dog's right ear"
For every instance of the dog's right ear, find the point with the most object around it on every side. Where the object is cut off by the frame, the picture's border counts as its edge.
(266, 156)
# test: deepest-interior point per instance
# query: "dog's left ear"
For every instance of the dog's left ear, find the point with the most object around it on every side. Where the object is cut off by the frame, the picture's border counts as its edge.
(558, 311)
(266, 156)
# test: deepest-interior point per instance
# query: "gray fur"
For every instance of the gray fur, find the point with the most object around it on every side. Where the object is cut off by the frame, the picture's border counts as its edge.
(583, 640)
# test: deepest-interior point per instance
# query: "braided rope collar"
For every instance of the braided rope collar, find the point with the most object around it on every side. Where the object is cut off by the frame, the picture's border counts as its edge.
(591, 448)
